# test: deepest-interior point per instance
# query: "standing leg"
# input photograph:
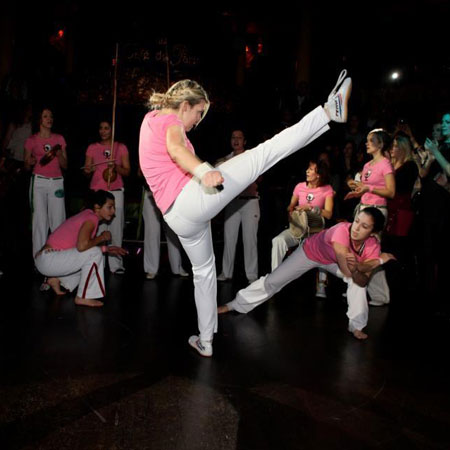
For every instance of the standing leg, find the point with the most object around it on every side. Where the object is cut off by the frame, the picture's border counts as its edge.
(199, 249)
(39, 218)
(231, 227)
(56, 204)
(152, 235)
(116, 228)
(250, 220)
(280, 246)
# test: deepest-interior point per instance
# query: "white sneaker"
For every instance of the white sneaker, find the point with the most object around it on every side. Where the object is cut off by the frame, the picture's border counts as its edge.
(320, 290)
(183, 273)
(203, 347)
(150, 276)
(222, 277)
(337, 104)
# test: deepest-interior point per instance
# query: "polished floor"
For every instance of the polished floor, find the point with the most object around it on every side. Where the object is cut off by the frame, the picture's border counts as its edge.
(286, 376)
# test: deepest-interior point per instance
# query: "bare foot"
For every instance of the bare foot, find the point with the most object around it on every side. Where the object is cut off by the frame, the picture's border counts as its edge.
(88, 302)
(360, 335)
(55, 284)
(223, 309)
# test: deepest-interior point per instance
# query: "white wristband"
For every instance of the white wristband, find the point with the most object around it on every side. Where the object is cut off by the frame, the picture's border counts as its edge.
(381, 261)
(202, 169)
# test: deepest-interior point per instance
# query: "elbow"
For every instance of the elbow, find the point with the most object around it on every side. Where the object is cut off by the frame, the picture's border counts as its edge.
(391, 195)
(327, 214)
(81, 246)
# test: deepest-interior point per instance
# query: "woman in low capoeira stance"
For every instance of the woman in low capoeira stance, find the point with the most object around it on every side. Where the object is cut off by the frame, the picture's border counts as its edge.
(190, 192)
(347, 250)
(73, 254)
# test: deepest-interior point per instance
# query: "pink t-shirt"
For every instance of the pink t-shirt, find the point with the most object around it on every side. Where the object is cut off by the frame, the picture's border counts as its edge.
(319, 247)
(39, 147)
(373, 176)
(313, 197)
(66, 235)
(100, 154)
(165, 178)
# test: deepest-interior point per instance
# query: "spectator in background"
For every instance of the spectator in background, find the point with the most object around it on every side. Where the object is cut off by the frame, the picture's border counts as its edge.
(400, 211)
(244, 209)
(107, 166)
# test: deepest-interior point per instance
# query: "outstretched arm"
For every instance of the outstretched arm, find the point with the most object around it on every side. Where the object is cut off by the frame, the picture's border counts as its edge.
(433, 148)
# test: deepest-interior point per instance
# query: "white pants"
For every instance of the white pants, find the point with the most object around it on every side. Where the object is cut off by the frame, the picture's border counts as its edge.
(280, 246)
(245, 211)
(74, 268)
(292, 268)
(152, 238)
(115, 227)
(190, 214)
(47, 208)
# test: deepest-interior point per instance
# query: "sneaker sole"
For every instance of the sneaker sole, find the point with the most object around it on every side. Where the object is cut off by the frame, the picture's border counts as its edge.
(344, 101)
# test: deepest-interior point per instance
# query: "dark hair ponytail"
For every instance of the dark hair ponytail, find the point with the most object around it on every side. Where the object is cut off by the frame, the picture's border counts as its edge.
(97, 198)
(383, 138)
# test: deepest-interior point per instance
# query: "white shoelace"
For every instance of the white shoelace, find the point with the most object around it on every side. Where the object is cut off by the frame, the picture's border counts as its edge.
(341, 78)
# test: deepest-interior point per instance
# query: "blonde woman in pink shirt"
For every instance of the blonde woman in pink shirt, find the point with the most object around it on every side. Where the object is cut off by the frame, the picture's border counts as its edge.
(73, 253)
(100, 157)
(45, 153)
(190, 192)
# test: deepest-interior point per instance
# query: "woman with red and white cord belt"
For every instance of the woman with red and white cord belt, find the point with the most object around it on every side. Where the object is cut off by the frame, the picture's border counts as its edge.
(73, 254)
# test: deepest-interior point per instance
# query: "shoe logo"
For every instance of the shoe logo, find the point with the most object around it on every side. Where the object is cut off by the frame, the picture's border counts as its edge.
(200, 345)
(338, 104)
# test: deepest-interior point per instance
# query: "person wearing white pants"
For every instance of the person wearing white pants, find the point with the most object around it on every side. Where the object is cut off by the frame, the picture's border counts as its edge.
(152, 240)
(72, 256)
(189, 203)
(349, 251)
(244, 209)
(108, 164)
(45, 152)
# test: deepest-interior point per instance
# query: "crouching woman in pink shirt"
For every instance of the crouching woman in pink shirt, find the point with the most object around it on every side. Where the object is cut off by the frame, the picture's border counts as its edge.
(187, 190)
(73, 254)
(347, 250)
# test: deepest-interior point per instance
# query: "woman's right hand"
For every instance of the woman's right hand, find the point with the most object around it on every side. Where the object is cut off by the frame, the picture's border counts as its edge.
(106, 236)
(212, 178)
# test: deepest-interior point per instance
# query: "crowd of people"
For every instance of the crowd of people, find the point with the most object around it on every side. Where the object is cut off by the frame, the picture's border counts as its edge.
(371, 198)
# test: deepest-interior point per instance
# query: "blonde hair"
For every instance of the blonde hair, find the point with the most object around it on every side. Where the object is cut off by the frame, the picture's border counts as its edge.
(404, 144)
(184, 90)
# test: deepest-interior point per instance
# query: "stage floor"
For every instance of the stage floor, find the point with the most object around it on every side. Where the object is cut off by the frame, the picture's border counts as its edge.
(286, 376)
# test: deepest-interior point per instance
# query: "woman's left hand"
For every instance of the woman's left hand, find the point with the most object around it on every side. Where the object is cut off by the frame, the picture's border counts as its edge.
(212, 178)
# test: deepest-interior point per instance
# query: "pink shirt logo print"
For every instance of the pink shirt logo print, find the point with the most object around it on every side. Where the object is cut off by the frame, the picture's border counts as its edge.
(310, 197)
(367, 174)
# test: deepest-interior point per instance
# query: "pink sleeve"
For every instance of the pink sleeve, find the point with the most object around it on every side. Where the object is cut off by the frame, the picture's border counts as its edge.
(341, 235)
(297, 189)
(387, 167)
(329, 192)
(170, 120)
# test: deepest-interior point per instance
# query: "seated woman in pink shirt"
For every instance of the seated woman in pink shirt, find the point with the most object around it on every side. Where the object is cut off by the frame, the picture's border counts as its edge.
(190, 192)
(347, 250)
(99, 159)
(315, 196)
(72, 255)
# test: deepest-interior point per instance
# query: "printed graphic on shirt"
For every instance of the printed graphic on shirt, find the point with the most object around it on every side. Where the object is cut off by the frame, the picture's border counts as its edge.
(367, 174)
(107, 153)
(310, 197)
(47, 148)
